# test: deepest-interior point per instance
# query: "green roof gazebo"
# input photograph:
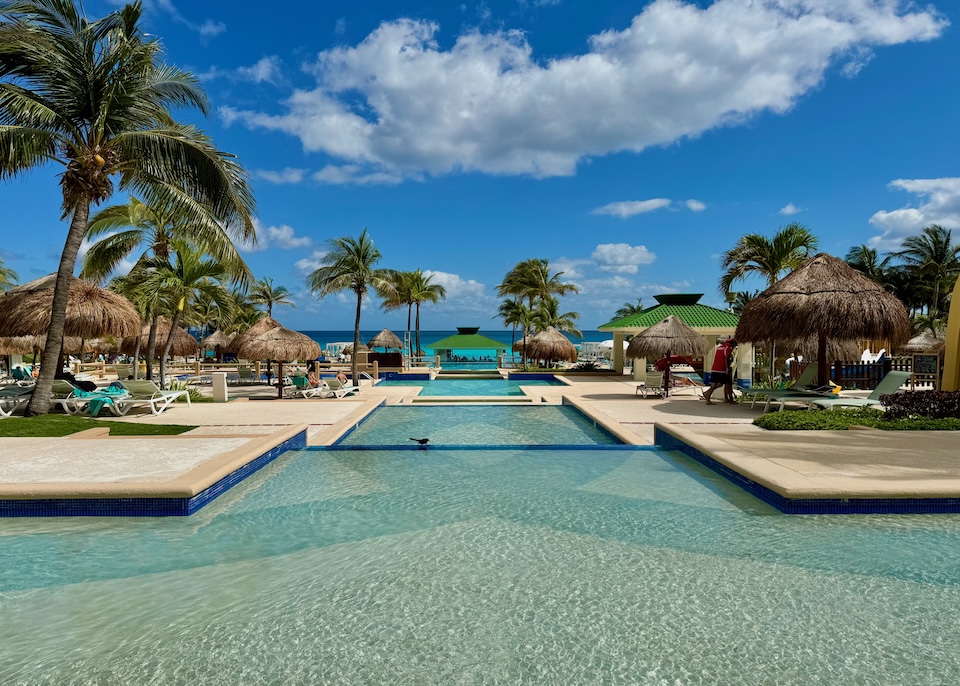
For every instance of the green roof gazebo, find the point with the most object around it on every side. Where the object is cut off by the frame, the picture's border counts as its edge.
(466, 338)
(712, 323)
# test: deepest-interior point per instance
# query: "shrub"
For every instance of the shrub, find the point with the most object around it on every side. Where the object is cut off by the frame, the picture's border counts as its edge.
(586, 366)
(840, 419)
(929, 404)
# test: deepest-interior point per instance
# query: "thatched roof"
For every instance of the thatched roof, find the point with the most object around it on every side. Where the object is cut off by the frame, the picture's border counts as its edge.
(825, 297)
(183, 342)
(669, 336)
(217, 338)
(260, 327)
(925, 342)
(844, 351)
(21, 345)
(549, 344)
(279, 343)
(348, 350)
(386, 339)
(91, 311)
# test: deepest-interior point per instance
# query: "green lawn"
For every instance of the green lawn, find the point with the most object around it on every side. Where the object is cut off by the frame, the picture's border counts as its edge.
(64, 425)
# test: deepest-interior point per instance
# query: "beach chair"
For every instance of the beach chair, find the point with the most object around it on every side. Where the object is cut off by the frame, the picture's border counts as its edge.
(890, 383)
(12, 397)
(91, 403)
(124, 371)
(23, 377)
(340, 390)
(806, 377)
(147, 393)
(652, 383)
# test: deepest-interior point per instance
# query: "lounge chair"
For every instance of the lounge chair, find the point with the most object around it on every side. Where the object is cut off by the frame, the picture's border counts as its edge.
(12, 397)
(806, 378)
(299, 387)
(144, 392)
(124, 371)
(24, 377)
(245, 375)
(652, 383)
(890, 383)
(340, 390)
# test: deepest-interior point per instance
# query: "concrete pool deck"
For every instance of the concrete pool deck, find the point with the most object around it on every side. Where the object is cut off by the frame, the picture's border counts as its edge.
(839, 465)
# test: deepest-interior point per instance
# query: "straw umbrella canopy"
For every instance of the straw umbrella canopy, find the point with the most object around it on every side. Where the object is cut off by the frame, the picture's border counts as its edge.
(217, 339)
(183, 343)
(19, 345)
(825, 298)
(279, 343)
(348, 350)
(549, 344)
(670, 336)
(836, 349)
(386, 339)
(260, 327)
(91, 311)
(925, 342)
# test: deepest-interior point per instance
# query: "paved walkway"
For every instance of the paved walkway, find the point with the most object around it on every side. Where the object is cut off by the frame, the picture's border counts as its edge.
(808, 464)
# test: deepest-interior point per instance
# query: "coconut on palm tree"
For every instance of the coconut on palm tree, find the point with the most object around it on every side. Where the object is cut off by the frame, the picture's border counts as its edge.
(94, 97)
(350, 264)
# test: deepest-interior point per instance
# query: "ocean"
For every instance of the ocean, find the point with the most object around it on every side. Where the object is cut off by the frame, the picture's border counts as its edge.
(428, 337)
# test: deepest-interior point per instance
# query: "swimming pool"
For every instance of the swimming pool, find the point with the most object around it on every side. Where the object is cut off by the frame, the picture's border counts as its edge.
(471, 387)
(486, 567)
(478, 425)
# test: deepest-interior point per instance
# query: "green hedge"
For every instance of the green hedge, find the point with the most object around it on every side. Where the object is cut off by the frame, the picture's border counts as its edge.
(829, 420)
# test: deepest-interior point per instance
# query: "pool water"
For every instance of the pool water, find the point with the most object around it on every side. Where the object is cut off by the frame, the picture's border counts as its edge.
(478, 425)
(482, 567)
(471, 387)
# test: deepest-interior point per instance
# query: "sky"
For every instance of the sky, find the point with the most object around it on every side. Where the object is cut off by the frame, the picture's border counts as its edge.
(628, 143)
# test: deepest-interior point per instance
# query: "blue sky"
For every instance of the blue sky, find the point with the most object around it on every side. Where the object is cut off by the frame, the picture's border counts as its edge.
(630, 143)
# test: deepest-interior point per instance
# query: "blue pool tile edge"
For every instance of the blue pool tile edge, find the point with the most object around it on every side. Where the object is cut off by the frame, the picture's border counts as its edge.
(501, 446)
(146, 507)
(809, 506)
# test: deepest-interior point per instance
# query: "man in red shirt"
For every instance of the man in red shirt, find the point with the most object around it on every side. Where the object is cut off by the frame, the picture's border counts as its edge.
(720, 369)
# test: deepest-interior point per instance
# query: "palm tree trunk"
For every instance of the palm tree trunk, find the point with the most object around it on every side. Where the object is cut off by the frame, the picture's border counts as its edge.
(409, 310)
(152, 344)
(40, 401)
(356, 343)
(136, 359)
(418, 327)
(166, 349)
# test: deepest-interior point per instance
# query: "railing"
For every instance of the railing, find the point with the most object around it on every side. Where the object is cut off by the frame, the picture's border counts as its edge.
(866, 375)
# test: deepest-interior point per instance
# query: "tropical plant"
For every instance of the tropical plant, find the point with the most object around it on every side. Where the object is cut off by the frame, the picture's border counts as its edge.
(548, 314)
(129, 287)
(768, 258)
(867, 261)
(264, 293)
(936, 258)
(628, 309)
(94, 97)
(513, 313)
(400, 295)
(422, 291)
(532, 280)
(350, 265)
(8, 277)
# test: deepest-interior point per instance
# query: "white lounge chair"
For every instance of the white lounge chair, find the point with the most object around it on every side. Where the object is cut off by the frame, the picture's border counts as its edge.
(12, 397)
(652, 383)
(145, 392)
(340, 390)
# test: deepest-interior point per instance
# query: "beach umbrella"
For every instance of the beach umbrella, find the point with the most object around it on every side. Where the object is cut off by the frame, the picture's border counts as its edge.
(826, 299)
(217, 339)
(91, 311)
(279, 343)
(925, 342)
(183, 343)
(836, 349)
(669, 336)
(260, 327)
(549, 345)
(19, 345)
(386, 339)
(348, 350)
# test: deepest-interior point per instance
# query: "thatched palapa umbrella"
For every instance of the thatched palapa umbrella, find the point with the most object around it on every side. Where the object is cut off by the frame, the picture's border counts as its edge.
(386, 339)
(670, 336)
(925, 342)
(348, 350)
(827, 299)
(549, 345)
(183, 343)
(279, 343)
(91, 311)
(260, 327)
(218, 342)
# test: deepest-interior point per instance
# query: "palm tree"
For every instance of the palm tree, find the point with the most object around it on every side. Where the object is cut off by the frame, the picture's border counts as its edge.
(532, 280)
(153, 229)
(867, 261)
(179, 282)
(743, 297)
(129, 286)
(266, 294)
(548, 314)
(935, 256)
(629, 309)
(512, 312)
(422, 291)
(8, 277)
(400, 296)
(94, 97)
(768, 258)
(350, 265)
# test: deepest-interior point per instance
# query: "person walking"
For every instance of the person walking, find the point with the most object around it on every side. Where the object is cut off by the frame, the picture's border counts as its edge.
(728, 396)
(719, 370)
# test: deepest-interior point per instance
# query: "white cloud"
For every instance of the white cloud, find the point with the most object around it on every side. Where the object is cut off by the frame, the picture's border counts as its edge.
(207, 28)
(283, 237)
(340, 27)
(211, 28)
(789, 209)
(285, 175)
(353, 173)
(628, 208)
(695, 206)
(400, 104)
(310, 264)
(940, 205)
(457, 288)
(621, 257)
(570, 267)
(266, 69)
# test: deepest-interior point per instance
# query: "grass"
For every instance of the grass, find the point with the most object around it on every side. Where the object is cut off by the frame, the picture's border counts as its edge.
(839, 419)
(54, 425)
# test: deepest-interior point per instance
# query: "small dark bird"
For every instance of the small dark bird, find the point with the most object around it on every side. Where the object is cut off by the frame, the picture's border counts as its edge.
(421, 441)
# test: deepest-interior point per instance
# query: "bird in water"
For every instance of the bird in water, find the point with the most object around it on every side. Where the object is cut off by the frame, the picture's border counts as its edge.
(421, 441)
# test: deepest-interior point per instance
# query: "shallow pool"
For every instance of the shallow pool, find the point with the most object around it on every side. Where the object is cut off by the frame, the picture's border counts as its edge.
(470, 387)
(482, 567)
(478, 425)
